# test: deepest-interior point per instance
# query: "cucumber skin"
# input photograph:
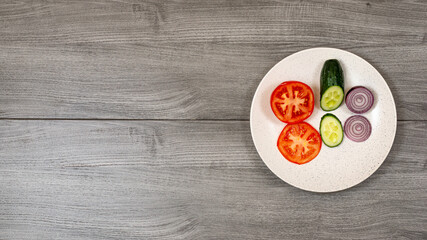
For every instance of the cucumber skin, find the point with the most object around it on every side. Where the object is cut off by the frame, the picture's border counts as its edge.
(331, 75)
(320, 128)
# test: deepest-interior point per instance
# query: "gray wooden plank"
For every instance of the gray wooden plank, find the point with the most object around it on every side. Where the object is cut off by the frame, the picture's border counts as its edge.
(190, 180)
(191, 59)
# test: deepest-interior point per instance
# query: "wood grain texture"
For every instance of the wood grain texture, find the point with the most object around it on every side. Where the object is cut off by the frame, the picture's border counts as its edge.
(186, 61)
(190, 180)
(191, 59)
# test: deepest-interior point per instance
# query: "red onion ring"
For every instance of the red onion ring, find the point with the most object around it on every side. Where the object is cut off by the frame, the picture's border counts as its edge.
(359, 99)
(357, 128)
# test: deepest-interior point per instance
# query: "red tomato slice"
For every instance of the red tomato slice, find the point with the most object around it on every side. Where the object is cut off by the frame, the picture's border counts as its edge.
(299, 143)
(292, 102)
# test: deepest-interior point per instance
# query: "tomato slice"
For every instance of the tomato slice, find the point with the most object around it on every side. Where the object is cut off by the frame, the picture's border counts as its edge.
(299, 143)
(292, 102)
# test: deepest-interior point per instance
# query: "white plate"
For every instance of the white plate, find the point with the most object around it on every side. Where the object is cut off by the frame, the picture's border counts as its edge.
(334, 169)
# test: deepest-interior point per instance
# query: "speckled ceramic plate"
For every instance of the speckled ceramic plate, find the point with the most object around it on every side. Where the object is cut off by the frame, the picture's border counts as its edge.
(334, 169)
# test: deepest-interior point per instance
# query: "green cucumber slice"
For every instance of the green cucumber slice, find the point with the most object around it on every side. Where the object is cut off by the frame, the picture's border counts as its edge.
(331, 79)
(331, 130)
(332, 98)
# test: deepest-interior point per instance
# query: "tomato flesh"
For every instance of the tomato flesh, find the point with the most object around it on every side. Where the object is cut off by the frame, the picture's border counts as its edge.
(292, 102)
(299, 143)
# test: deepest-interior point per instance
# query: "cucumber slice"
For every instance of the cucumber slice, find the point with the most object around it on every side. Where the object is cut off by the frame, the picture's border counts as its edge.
(332, 98)
(331, 130)
(331, 79)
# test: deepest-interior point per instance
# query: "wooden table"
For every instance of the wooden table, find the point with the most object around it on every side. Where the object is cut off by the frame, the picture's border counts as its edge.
(130, 119)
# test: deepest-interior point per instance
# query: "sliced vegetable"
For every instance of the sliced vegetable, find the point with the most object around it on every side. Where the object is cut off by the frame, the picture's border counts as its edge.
(299, 143)
(359, 99)
(357, 128)
(331, 130)
(292, 102)
(331, 85)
